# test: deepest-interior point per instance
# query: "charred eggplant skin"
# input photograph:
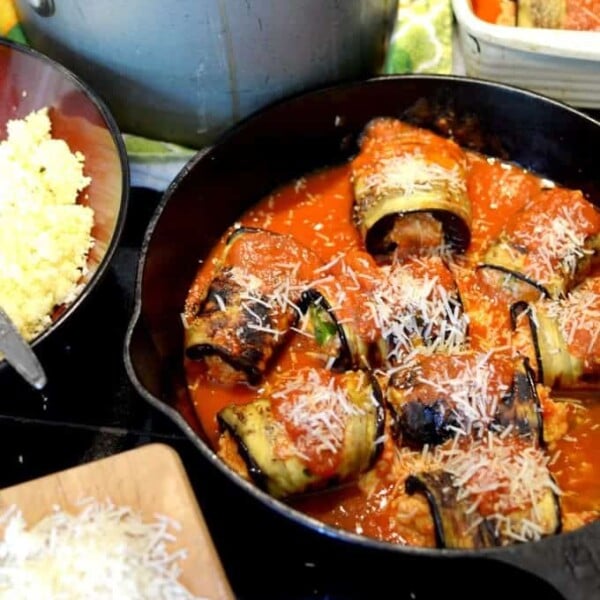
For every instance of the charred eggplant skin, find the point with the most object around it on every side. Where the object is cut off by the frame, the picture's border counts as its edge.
(521, 408)
(380, 417)
(253, 344)
(516, 310)
(453, 525)
(421, 423)
(237, 325)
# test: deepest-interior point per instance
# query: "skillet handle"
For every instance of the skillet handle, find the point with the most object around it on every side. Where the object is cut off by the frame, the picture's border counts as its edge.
(570, 562)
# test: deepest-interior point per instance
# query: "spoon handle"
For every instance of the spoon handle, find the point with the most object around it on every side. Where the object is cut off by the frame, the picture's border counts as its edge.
(18, 353)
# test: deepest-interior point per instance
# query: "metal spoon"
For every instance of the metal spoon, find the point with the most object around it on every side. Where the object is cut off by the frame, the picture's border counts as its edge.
(18, 353)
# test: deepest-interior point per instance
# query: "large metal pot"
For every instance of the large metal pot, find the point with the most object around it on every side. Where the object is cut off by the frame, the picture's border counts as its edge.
(185, 70)
(310, 131)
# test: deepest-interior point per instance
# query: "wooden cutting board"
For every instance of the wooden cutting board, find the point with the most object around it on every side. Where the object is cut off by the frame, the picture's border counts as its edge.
(151, 480)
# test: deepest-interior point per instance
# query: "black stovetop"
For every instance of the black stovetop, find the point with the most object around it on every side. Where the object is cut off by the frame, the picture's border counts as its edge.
(90, 410)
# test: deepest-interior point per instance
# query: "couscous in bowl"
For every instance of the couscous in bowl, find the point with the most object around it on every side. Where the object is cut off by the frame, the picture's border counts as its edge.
(64, 208)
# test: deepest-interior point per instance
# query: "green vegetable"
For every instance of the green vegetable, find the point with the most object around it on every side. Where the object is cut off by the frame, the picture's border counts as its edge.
(323, 326)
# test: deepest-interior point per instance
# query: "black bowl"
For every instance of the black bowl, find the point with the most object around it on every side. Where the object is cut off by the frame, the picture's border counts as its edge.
(313, 130)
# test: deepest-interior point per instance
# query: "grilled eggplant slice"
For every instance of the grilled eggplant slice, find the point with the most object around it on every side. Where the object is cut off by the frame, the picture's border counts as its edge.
(410, 191)
(489, 492)
(315, 430)
(458, 525)
(562, 337)
(455, 526)
(437, 397)
(249, 305)
(520, 409)
(549, 247)
(418, 306)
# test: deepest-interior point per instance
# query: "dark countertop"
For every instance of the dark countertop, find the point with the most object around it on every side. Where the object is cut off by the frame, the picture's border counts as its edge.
(90, 411)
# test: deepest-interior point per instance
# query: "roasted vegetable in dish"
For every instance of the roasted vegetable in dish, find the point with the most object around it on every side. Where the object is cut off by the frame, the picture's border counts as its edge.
(313, 429)
(419, 307)
(549, 247)
(435, 397)
(250, 304)
(490, 495)
(410, 190)
(562, 337)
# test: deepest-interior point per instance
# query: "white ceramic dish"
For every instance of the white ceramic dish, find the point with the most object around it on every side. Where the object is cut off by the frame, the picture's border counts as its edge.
(564, 65)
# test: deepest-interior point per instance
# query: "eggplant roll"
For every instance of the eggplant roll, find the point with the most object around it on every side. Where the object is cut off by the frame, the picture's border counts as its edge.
(549, 14)
(314, 430)
(491, 493)
(549, 247)
(417, 305)
(438, 397)
(249, 305)
(410, 191)
(561, 338)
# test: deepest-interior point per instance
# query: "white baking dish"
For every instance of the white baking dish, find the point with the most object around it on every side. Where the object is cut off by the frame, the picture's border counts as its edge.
(558, 63)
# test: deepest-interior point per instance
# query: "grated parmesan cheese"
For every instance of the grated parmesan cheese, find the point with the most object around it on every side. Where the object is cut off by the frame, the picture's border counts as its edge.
(320, 410)
(412, 174)
(105, 552)
(412, 311)
(45, 235)
(515, 476)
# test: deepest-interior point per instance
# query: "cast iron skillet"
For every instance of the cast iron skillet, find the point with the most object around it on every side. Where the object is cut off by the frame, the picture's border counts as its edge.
(313, 130)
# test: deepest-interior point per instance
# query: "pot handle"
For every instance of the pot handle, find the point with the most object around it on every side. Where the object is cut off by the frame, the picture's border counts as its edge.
(570, 562)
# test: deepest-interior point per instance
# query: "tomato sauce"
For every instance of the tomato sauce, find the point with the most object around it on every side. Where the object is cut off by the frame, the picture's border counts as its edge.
(576, 465)
(317, 210)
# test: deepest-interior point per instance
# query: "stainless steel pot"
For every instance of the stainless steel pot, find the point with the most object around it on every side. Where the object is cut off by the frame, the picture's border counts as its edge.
(185, 70)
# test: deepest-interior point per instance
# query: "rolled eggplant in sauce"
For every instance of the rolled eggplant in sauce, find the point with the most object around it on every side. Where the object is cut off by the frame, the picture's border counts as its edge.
(441, 396)
(561, 338)
(416, 305)
(410, 191)
(315, 429)
(248, 307)
(492, 492)
(550, 246)
(334, 311)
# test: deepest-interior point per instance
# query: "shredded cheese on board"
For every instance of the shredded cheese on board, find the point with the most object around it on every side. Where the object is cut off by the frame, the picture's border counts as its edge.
(106, 552)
